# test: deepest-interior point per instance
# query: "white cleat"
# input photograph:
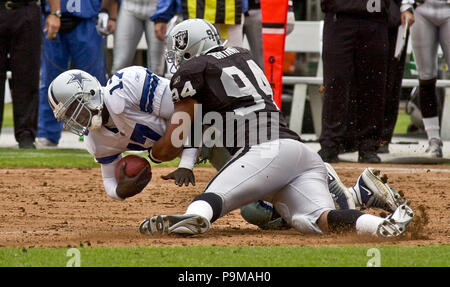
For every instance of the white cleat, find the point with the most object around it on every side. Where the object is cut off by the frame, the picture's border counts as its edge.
(43, 143)
(187, 224)
(396, 223)
(340, 193)
(371, 190)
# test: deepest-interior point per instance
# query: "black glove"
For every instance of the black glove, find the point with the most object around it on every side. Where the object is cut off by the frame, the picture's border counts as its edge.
(130, 186)
(181, 176)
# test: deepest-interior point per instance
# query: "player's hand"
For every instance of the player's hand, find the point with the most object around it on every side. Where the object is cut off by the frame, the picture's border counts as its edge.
(181, 176)
(160, 30)
(52, 25)
(407, 15)
(111, 26)
(130, 186)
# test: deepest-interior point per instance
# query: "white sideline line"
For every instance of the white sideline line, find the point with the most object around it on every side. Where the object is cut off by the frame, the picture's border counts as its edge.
(402, 169)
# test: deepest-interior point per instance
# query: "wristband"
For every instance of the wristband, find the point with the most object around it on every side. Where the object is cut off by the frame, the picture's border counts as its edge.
(152, 158)
(188, 158)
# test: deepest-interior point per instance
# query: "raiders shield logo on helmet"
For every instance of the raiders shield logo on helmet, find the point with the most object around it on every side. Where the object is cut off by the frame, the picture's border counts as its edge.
(181, 40)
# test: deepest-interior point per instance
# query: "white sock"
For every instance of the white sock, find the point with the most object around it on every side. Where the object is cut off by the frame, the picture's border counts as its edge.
(432, 127)
(368, 224)
(200, 207)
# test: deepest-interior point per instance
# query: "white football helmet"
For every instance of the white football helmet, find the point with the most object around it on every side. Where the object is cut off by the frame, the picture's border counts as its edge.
(189, 39)
(76, 98)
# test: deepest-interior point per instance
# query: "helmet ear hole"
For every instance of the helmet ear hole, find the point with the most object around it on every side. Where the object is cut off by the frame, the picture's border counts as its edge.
(187, 56)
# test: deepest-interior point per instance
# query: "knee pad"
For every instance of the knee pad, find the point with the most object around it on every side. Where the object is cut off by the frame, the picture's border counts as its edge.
(263, 215)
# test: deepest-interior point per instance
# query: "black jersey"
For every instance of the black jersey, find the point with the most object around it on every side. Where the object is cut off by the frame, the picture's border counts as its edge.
(228, 82)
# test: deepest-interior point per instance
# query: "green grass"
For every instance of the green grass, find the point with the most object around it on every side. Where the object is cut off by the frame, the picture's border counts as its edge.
(7, 116)
(218, 256)
(401, 127)
(59, 158)
(50, 158)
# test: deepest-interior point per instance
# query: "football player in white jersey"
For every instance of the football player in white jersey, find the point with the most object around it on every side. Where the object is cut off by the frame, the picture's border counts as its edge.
(129, 113)
(132, 113)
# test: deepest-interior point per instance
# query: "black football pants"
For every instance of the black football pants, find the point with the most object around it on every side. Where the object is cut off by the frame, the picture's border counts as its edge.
(20, 37)
(355, 53)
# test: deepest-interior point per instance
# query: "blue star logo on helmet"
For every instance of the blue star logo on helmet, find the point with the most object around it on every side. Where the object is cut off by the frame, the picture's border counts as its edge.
(78, 77)
(181, 40)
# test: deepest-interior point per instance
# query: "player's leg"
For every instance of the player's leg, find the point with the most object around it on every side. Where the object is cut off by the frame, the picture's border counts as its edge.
(253, 31)
(338, 71)
(264, 215)
(444, 36)
(425, 39)
(126, 37)
(86, 50)
(252, 174)
(370, 75)
(371, 190)
(305, 205)
(155, 50)
(54, 61)
(4, 50)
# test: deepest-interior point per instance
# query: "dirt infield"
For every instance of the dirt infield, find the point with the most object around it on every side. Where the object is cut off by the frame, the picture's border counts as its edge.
(68, 207)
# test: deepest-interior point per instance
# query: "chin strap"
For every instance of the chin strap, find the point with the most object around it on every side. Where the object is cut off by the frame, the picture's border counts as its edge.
(96, 122)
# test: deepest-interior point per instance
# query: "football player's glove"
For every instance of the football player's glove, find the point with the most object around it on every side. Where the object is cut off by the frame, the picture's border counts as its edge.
(130, 186)
(181, 176)
(102, 23)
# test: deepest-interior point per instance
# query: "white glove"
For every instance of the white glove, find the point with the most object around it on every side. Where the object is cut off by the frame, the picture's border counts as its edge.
(102, 23)
(290, 23)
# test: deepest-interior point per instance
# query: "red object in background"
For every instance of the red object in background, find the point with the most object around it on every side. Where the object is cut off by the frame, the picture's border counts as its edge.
(289, 62)
(134, 165)
(274, 14)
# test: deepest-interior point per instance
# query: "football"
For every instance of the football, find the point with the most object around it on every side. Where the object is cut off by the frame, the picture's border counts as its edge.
(134, 165)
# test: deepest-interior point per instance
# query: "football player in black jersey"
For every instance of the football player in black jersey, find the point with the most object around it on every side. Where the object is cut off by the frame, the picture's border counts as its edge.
(227, 89)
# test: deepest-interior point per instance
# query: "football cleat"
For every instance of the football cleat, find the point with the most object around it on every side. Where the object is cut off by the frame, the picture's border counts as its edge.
(340, 193)
(187, 224)
(434, 148)
(371, 190)
(396, 223)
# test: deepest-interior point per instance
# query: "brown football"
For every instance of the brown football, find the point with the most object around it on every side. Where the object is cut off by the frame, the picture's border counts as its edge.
(134, 165)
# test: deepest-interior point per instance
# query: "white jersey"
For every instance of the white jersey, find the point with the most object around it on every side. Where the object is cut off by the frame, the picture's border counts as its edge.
(139, 104)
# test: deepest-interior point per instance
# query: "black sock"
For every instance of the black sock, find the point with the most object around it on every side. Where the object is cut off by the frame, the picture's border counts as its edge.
(428, 98)
(215, 201)
(340, 221)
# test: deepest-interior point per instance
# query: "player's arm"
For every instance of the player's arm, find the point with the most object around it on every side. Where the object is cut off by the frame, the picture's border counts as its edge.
(170, 145)
(184, 174)
(407, 10)
(52, 22)
(165, 10)
(126, 186)
(106, 22)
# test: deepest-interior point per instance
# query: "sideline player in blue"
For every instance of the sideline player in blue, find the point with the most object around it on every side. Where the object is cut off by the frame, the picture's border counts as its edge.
(76, 43)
